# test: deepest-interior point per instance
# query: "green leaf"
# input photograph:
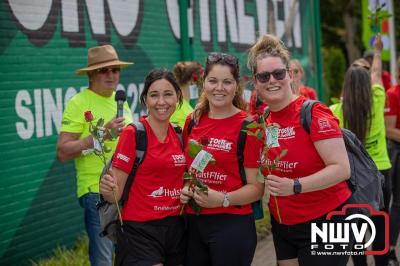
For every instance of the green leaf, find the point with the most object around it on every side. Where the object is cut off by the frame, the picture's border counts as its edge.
(273, 166)
(204, 188)
(249, 133)
(187, 176)
(194, 148)
(260, 135)
(100, 122)
(279, 157)
(195, 207)
(253, 124)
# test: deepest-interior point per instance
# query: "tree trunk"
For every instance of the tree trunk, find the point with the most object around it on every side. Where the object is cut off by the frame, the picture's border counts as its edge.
(351, 23)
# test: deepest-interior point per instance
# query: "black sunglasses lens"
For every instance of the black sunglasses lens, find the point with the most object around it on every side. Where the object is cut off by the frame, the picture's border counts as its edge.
(279, 74)
(105, 70)
(263, 77)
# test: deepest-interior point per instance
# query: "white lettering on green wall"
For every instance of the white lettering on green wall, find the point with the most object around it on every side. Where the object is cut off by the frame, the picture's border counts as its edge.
(40, 113)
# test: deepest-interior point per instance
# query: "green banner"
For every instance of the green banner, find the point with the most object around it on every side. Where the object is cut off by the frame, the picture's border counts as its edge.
(43, 42)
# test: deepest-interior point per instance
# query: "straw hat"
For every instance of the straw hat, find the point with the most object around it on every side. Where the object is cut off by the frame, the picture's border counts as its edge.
(102, 56)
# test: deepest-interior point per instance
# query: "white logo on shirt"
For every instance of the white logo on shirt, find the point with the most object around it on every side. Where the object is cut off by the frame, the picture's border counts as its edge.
(283, 166)
(219, 144)
(123, 157)
(287, 133)
(179, 159)
(324, 125)
(212, 177)
(165, 192)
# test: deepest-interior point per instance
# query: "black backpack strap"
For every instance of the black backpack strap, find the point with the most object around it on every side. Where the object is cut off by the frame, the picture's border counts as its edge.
(190, 126)
(240, 148)
(141, 148)
(178, 131)
(306, 114)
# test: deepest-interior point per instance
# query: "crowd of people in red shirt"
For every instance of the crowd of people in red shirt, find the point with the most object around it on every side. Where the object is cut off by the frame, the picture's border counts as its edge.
(307, 183)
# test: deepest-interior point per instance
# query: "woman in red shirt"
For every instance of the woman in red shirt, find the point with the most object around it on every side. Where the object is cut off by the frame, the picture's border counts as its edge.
(309, 181)
(224, 232)
(153, 231)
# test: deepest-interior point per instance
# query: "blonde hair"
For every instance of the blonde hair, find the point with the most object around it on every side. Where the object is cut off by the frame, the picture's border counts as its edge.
(266, 46)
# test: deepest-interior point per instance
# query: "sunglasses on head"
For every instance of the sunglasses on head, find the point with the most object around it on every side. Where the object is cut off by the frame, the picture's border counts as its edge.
(105, 70)
(363, 66)
(264, 77)
(214, 58)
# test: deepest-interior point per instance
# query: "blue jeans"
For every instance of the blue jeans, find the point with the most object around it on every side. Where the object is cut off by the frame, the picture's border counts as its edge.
(100, 248)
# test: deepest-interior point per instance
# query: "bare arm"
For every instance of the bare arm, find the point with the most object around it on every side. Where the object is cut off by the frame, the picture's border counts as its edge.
(115, 180)
(337, 169)
(376, 68)
(249, 193)
(69, 146)
(392, 132)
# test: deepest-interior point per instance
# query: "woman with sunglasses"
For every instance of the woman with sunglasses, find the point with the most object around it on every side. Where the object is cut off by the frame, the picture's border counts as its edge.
(309, 181)
(224, 232)
(153, 232)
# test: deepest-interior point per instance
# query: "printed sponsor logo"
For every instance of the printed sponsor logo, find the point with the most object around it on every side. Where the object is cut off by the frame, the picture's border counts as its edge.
(165, 192)
(179, 159)
(324, 125)
(330, 236)
(123, 157)
(219, 144)
(283, 166)
(212, 177)
(287, 133)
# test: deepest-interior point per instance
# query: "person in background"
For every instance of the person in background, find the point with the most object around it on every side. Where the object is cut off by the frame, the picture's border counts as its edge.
(187, 74)
(392, 124)
(362, 112)
(298, 86)
(103, 71)
(224, 231)
(311, 181)
(386, 81)
(153, 232)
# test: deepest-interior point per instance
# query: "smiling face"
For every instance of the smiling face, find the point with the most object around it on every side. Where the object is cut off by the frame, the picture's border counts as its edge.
(276, 93)
(220, 86)
(161, 100)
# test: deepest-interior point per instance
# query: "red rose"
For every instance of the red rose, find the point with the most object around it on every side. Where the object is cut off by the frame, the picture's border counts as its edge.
(88, 116)
(195, 77)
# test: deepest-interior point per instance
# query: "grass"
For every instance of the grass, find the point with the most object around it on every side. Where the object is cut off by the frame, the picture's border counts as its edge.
(77, 256)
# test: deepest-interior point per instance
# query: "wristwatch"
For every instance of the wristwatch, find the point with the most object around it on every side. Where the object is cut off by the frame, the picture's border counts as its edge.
(225, 203)
(296, 186)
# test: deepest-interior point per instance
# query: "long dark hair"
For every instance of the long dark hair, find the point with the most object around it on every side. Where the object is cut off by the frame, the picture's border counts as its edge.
(357, 101)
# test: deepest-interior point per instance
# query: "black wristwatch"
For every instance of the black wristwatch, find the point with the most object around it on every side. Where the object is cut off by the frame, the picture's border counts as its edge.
(296, 186)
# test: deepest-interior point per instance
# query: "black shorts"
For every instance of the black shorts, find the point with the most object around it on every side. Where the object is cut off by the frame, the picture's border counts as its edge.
(294, 241)
(221, 239)
(153, 242)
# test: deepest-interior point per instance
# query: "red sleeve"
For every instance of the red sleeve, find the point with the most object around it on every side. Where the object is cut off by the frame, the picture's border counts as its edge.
(252, 151)
(312, 94)
(392, 103)
(324, 124)
(386, 80)
(185, 130)
(125, 152)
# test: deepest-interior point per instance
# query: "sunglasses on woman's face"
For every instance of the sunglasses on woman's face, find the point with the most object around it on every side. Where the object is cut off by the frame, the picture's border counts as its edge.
(105, 70)
(264, 77)
(214, 58)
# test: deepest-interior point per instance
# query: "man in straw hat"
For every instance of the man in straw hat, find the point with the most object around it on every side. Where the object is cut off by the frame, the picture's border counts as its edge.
(76, 142)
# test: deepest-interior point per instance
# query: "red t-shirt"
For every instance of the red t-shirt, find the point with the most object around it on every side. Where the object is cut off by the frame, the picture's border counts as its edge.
(302, 159)
(155, 191)
(222, 136)
(393, 103)
(308, 92)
